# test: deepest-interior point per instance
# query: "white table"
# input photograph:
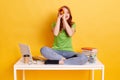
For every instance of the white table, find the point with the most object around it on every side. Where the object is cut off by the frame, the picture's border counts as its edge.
(39, 66)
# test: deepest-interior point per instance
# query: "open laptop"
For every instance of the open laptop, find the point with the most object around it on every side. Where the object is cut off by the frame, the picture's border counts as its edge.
(25, 50)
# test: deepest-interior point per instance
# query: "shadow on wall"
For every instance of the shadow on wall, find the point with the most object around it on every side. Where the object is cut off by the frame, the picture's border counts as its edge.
(46, 32)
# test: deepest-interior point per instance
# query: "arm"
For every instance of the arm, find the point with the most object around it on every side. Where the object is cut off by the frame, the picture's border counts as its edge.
(56, 29)
(68, 29)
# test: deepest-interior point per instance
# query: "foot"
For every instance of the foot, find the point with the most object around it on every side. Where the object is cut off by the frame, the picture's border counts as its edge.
(62, 61)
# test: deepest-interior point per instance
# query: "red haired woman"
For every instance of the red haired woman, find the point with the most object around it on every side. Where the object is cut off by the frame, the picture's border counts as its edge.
(62, 51)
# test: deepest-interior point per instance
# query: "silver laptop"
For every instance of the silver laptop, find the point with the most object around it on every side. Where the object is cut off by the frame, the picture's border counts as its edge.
(25, 50)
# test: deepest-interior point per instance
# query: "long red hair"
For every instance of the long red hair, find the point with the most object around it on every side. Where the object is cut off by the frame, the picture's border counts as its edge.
(70, 18)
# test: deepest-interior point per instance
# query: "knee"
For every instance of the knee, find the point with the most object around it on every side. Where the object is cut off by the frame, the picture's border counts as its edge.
(43, 50)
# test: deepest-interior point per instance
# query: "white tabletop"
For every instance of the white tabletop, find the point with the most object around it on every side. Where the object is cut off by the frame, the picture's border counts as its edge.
(39, 66)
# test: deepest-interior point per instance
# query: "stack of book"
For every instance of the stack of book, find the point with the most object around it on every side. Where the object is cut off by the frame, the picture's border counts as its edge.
(90, 52)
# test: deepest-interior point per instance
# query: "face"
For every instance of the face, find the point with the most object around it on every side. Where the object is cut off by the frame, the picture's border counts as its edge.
(66, 12)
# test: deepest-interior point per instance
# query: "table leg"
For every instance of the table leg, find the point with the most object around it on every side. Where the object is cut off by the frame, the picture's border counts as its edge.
(92, 74)
(23, 75)
(15, 74)
(102, 73)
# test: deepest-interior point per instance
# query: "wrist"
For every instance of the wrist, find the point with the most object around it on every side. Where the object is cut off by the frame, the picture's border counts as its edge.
(58, 18)
(64, 18)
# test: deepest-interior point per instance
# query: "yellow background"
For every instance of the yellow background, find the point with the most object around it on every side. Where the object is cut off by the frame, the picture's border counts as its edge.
(29, 22)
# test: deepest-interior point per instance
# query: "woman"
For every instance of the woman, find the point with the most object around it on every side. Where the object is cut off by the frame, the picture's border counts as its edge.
(62, 51)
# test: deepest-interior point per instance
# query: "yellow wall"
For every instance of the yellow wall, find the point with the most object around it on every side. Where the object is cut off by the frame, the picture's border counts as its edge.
(29, 21)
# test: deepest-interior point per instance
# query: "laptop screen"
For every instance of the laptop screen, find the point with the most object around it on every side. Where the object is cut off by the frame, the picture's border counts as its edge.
(25, 50)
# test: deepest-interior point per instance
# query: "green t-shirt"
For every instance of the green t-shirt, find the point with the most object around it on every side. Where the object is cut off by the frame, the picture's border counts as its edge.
(62, 41)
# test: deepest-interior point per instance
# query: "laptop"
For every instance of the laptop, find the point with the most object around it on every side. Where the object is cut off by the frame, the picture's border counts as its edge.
(25, 50)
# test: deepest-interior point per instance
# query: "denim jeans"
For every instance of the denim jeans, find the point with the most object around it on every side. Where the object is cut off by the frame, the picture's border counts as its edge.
(52, 54)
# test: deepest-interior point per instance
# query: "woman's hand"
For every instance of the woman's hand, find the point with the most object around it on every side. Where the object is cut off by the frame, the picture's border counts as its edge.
(60, 16)
(63, 17)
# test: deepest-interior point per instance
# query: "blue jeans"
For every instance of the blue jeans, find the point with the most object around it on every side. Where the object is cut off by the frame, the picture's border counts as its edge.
(52, 54)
